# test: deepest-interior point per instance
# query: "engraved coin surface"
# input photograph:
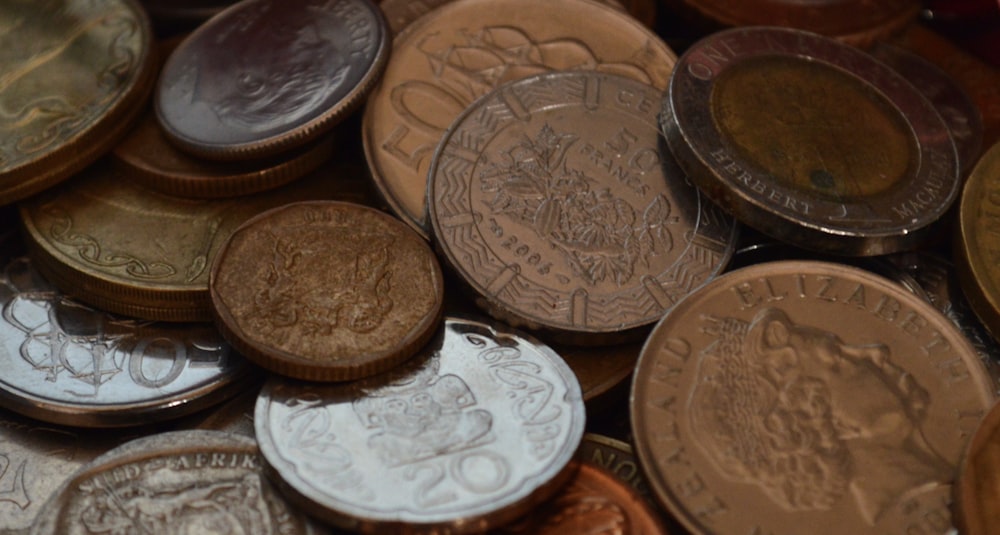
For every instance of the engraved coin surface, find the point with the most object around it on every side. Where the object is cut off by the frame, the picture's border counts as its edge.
(552, 199)
(76, 72)
(810, 141)
(978, 488)
(265, 76)
(468, 435)
(977, 244)
(183, 482)
(462, 51)
(806, 393)
(326, 290)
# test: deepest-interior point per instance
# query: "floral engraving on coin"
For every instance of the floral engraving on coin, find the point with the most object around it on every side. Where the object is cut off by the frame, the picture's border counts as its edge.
(776, 404)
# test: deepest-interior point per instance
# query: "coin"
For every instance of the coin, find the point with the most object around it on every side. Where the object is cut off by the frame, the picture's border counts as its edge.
(179, 482)
(76, 73)
(326, 291)
(265, 76)
(617, 458)
(600, 370)
(795, 396)
(976, 241)
(462, 51)
(471, 433)
(400, 13)
(978, 488)
(777, 126)
(553, 201)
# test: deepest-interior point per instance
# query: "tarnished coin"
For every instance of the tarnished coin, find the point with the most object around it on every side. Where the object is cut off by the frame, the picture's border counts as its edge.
(617, 458)
(326, 291)
(810, 141)
(462, 51)
(806, 396)
(468, 435)
(75, 74)
(553, 200)
(265, 76)
(977, 244)
(978, 489)
(185, 482)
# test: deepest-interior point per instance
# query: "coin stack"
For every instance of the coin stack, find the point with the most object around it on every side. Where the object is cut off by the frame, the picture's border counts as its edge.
(496, 266)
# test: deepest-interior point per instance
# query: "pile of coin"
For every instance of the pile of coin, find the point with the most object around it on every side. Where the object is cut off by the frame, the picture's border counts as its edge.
(435, 267)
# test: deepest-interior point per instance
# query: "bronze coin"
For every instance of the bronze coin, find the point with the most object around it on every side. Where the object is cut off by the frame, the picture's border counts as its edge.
(806, 396)
(978, 489)
(977, 243)
(553, 200)
(326, 291)
(810, 141)
(400, 13)
(462, 51)
(617, 458)
(266, 76)
(75, 75)
(599, 369)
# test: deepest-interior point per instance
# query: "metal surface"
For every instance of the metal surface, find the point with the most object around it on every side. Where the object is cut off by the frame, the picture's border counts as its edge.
(617, 458)
(978, 487)
(976, 240)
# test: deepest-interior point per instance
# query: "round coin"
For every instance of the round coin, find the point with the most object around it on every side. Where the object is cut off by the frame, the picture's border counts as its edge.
(810, 141)
(326, 291)
(553, 200)
(468, 435)
(265, 76)
(977, 243)
(978, 488)
(463, 50)
(616, 457)
(806, 396)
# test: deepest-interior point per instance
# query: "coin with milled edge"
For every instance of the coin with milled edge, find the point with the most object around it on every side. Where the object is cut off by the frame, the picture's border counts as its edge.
(810, 141)
(326, 291)
(553, 200)
(976, 242)
(473, 432)
(265, 76)
(793, 394)
(978, 489)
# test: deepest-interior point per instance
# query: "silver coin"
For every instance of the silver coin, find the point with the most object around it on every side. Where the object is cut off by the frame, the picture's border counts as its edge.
(64, 362)
(469, 434)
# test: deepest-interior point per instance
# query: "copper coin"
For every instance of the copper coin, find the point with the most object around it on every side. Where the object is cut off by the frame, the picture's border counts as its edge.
(600, 369)
(976, 241)
(471, 433)
(617, 458)
(265, 76)
(978, 490)
(326, 291)
(462, 51)
(810, 141)
(400, 13)
(806, 396)
(76, 73)
(553, 200)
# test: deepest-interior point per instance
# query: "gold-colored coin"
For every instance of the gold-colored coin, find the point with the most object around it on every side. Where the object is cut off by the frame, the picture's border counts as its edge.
(977, 244)
(978, 490)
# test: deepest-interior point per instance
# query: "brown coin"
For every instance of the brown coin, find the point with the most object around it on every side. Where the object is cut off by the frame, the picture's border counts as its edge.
(326, 291)
(810, 141)
(400, 13)
(601, 369)
(978, 490)
(553, 201)
(616, 457)
(806, 397)
(75, 75)
(977, 243)
(266, 76)
(465, 49)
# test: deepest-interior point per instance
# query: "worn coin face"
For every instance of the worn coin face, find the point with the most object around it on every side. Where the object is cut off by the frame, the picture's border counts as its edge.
(552, 199)
(470, 434)
(462, 51)
(326, 291)
(265, 76)
(977, 246)
(795, 394)
(978, 487)
(810, 141)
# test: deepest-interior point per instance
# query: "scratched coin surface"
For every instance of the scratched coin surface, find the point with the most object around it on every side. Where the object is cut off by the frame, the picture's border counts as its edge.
(265, 76)
(326, 291)
(794, 394)
(463, 50)
(977, 245)
(978, 487)
(552, 199)
(810, 141)
(468, 435)
(184, 482)
(75, 73)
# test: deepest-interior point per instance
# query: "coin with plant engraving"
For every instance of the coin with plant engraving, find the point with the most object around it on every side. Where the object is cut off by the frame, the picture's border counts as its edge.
(553, 200)
(471, 433)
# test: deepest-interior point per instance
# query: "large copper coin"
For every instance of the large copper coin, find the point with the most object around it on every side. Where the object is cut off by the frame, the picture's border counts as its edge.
(265, 76)
(468, 435)
(978, 489)
(977, 244)
(75, 73)
(810, 141)
(326, 291)
(806, 396)
(462, 51)
(616, 457)
(553, 199)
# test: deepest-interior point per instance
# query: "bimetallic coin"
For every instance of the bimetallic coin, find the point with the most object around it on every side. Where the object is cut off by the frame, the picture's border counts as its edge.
(812, 396)
(977, 245)
(978, 489)
(466, 436)
(326, 291)
(553, 201)
(810, 141)
(465, 49)
(265, 76)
